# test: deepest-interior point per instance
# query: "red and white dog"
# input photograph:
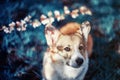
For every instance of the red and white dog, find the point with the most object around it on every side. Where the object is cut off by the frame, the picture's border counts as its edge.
(67, 55)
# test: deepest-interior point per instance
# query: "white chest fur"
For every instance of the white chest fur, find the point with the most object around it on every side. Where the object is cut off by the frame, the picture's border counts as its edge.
(54, 71)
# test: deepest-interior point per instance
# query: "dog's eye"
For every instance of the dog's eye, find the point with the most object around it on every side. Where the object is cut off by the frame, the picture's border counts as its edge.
(60, 48)
(81, 47)
(67, 49)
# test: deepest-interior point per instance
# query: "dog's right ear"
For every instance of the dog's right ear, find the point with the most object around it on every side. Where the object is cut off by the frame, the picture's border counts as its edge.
(85, 28)
(51, 34)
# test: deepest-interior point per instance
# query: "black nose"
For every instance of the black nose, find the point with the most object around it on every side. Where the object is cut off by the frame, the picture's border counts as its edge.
(79, 61)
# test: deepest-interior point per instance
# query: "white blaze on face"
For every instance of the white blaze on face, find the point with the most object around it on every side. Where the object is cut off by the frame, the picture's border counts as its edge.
(77, 42)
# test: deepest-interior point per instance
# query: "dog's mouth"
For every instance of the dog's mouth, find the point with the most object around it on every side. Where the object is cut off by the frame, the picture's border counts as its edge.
(72, 66)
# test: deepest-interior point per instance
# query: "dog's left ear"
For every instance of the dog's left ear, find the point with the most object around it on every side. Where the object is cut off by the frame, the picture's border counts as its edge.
(51, 34)
(85, 28)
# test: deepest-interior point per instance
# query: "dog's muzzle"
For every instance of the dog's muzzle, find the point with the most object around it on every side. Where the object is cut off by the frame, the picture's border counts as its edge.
(75, 64)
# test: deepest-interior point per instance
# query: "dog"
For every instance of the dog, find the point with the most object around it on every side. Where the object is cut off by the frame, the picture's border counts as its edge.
(66, 57)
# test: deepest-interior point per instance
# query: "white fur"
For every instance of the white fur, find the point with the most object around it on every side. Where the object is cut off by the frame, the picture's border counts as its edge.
(62, 71)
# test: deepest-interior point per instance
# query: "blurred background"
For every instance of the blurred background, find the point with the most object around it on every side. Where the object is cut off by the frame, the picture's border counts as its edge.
(21, 52)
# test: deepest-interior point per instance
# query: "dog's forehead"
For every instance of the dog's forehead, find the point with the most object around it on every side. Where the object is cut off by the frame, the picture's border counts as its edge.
(77, 39)
(70, 40)
(64, 40)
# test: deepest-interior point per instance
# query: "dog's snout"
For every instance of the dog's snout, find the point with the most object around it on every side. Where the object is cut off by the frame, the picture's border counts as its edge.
(79, 61)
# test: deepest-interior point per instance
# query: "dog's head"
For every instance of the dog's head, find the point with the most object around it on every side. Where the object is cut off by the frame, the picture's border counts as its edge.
(68, 45)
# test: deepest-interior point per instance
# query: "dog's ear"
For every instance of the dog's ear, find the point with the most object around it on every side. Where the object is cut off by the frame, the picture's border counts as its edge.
(51, 34)
(85, 28)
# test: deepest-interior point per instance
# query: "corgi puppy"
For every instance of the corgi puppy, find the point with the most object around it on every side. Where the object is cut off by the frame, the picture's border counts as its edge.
(66, 57)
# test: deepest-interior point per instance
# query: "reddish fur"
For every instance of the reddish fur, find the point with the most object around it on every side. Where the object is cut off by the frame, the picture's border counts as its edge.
(89, 45)
(70, 28)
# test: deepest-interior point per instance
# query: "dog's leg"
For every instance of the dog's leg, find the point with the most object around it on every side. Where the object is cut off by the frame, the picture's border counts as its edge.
(49, 72)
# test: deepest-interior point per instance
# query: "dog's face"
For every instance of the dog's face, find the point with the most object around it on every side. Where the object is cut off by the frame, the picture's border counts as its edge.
(72, 49)
(68, 45)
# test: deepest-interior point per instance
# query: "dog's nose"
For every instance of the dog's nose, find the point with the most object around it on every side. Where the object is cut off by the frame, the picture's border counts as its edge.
(79, 61)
